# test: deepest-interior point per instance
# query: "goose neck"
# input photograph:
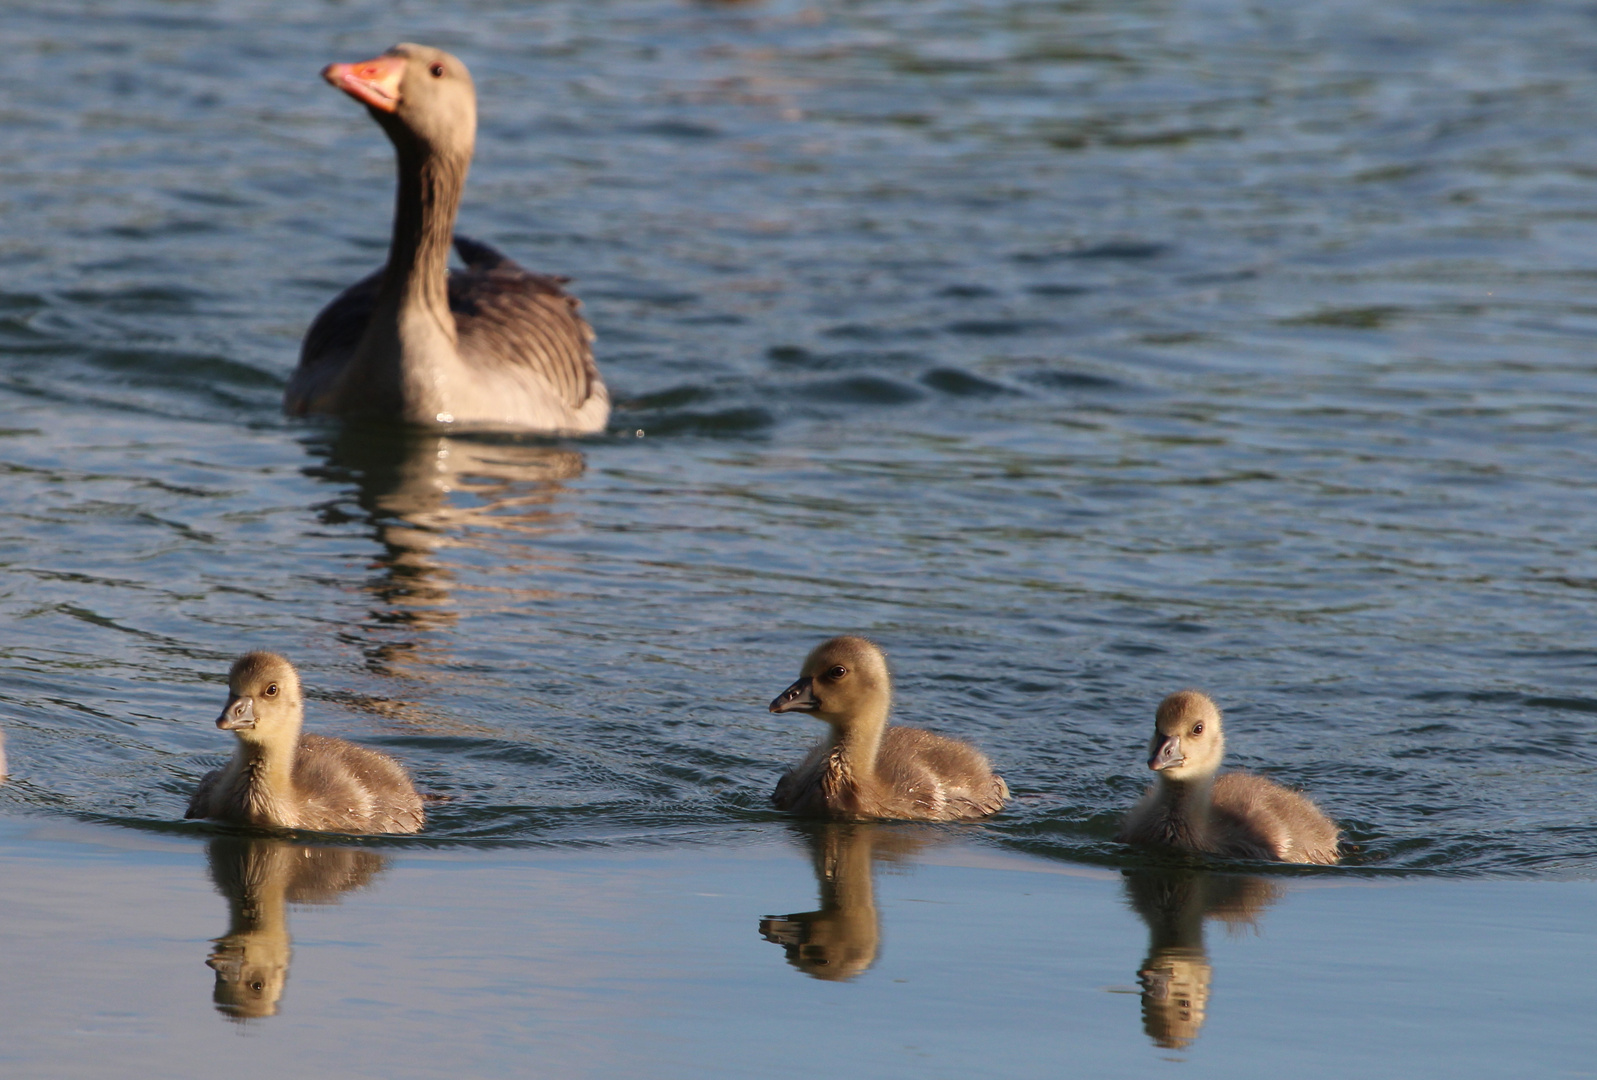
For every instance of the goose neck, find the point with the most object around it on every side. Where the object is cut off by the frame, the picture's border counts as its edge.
(269, 765)
(856, 744)
(428, 199)
(1189, 798)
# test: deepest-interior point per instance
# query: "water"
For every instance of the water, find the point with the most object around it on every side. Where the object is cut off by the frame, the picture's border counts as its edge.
(620, 963)
(1076, 352)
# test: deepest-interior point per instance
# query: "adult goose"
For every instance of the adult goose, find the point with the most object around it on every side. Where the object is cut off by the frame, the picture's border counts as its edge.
(1235, 816)
(866, 769)
(492, 345)
(281, 778)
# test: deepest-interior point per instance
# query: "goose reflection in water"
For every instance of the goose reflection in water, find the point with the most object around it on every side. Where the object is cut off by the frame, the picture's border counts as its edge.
(424, 494)
(842, 939)
(260, 877)
(1176, 975)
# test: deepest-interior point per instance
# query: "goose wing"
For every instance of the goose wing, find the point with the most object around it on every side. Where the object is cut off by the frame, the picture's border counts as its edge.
(200, 801)
(329, 345)
(507, 315)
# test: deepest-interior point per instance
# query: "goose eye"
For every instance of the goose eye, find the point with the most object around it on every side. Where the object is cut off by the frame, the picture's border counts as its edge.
(437, 71)
(1197, 729)
(837, 672)
(271, 690)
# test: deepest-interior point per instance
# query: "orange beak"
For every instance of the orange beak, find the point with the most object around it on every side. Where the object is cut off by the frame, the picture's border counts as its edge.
(372, 82)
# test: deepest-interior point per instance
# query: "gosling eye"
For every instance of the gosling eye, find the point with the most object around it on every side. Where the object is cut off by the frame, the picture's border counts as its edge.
(271, 690)
(1197, 729)
(837, 671)
(437, 71)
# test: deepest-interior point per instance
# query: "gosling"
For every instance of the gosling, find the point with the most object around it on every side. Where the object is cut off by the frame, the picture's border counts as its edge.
(1235, 816)
(865, 769)
(280, 778)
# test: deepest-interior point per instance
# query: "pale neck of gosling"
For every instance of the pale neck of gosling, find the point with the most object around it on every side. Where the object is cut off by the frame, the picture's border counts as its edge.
(270, 760)
(1190, 797)
(856, 740)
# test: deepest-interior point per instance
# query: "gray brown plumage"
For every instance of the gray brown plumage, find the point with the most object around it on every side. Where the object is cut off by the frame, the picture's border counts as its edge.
(1235, 816)
(281, 778)
(865, 769)
(491, 345)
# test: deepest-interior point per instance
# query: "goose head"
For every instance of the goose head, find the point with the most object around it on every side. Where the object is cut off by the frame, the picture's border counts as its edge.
(843, 681)
(1188, 740)
(263, 699)
(420, 95)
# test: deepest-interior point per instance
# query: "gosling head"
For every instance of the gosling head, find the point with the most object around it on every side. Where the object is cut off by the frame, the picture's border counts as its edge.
(263, 699)
(417, 93)
(843, 681)
(1187, 738)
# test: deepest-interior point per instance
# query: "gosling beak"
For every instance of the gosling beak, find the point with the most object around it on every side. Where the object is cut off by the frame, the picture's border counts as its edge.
(797, 698)
(1166, 753)
(239, 714)
(374, 82)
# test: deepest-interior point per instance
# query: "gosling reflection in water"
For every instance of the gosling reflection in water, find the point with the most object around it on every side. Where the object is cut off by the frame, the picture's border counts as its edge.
(260, 878)
(426, 493)
(842, 939)
(1176, 975)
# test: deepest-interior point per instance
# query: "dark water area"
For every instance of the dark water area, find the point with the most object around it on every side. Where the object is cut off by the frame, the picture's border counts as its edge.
(1076, 352)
